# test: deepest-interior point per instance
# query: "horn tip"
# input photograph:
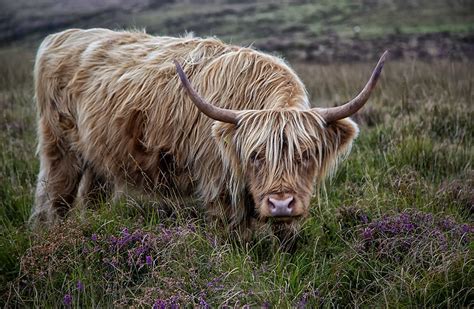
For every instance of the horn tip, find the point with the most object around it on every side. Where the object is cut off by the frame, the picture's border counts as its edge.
(379, 67)
(384, 56)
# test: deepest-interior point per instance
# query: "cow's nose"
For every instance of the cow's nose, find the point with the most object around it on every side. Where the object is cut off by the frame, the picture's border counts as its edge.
(281, 207)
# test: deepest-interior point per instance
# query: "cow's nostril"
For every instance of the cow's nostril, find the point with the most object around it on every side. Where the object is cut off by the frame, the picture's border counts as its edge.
(281, 207)
(290, 205)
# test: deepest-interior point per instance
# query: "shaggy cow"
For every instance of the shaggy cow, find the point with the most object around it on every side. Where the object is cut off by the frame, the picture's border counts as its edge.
(112, 110)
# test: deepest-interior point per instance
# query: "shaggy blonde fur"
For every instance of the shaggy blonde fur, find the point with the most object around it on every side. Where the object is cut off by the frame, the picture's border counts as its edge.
(111, 107)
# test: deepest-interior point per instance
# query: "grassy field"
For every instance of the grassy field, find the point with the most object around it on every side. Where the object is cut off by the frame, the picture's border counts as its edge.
(394, 227)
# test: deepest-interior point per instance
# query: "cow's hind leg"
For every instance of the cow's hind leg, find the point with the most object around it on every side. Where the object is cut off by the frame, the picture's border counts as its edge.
(58, 179)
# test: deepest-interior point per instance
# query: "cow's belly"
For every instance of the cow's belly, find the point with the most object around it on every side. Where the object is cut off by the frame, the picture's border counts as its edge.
(118, 153)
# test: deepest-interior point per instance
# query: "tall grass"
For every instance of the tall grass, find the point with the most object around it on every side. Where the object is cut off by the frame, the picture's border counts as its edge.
(392, 228)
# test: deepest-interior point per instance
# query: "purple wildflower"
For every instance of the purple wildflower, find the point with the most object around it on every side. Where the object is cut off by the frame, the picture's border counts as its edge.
(465, 229)
(214, 283)
(303, 301)
(125, 232)
(367, 233)
(149, 260)
(67, 300)
(174, 302)
(266, 305)
(94, 237)
(140, 250)
(203, 303)
(394, 236)
(80, 286)
(409, 227)
(159, 304)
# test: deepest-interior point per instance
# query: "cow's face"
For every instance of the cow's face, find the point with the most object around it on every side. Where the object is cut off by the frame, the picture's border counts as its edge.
(280, 155)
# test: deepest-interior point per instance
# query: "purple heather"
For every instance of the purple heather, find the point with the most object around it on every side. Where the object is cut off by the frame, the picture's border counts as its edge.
(67, 300)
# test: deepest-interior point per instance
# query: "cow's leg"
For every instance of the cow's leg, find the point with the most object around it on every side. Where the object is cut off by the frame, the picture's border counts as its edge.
(92, 189)
(58, 179)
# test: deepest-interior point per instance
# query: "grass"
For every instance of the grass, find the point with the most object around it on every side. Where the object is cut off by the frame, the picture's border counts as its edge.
(413, 160)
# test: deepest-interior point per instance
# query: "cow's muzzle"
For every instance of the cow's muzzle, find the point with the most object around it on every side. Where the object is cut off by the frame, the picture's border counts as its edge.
(282, 205)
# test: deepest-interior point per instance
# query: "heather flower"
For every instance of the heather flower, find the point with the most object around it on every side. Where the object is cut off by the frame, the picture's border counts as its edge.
(312, 295)
(125, 232)
(303, 301)
(67, 300)
(394, 237)
(203, 303)
(367, 233)
(174, 303)
(80, 286)
(214, 283)
(159, 304)
(364, 218)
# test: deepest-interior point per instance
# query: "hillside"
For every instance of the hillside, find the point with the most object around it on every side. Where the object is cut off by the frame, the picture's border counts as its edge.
(301, 30)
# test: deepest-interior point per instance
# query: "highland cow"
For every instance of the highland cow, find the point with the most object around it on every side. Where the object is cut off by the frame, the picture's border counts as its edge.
(232, 126)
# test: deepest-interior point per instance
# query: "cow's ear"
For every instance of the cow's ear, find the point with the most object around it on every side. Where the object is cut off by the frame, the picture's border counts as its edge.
(339, 136)
(341, 133)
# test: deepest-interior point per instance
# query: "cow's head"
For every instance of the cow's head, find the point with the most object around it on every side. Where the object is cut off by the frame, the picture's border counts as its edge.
(280, 154)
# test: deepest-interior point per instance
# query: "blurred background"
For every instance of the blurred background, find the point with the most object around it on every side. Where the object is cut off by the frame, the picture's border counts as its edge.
(317, 31)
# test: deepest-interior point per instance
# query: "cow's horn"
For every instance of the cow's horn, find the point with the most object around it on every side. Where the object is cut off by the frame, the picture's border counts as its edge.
(214, 112)
(339, 112)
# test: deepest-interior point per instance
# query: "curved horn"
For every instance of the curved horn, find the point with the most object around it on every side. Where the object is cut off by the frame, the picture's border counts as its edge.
(214, 112)
(332, 114)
